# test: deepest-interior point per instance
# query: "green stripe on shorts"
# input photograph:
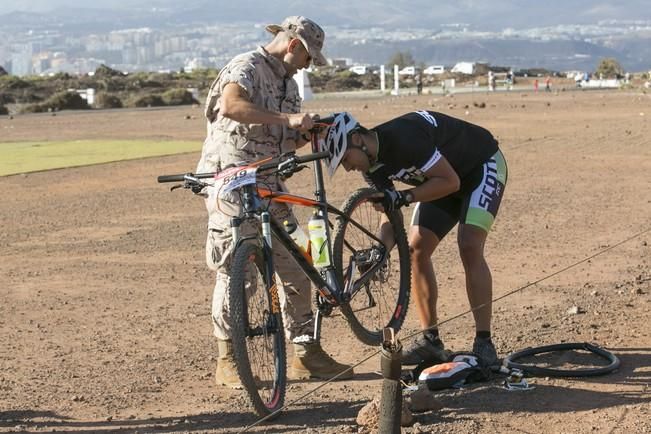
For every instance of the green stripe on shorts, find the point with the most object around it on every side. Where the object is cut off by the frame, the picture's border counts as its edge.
(480, 217)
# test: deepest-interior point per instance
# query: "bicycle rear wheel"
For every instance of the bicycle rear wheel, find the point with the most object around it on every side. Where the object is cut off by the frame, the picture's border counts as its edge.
(384, 299)
(257, 331)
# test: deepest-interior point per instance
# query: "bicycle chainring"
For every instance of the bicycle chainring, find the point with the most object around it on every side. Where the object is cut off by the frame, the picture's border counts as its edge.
(323, 305)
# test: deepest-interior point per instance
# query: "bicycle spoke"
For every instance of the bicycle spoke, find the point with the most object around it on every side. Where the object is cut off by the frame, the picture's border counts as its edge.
(258, 336)
(382, 299)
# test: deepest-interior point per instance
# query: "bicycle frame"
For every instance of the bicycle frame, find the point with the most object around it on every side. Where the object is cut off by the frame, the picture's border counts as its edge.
(324, 280)
(329, 287)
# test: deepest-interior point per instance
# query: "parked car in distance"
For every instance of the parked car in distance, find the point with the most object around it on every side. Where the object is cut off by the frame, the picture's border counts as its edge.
(407, 70)
(434, 70)
(358, 69)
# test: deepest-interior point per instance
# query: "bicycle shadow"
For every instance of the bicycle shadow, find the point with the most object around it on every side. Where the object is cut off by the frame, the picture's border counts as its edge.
(359, 376)
(290, 420)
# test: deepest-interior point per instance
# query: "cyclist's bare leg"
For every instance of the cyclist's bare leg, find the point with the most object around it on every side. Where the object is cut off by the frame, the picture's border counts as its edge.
(424, 289)
(479, 283)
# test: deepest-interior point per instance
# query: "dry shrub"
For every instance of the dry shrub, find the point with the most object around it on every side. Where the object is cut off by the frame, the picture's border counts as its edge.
(178, 97)
(59, 101)
(149, 101)
(107, 101)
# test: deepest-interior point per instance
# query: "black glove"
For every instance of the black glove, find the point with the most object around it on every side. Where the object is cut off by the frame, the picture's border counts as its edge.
(393, 200)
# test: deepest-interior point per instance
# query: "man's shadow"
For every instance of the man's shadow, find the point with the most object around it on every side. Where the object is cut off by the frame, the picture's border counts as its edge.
(293, 419)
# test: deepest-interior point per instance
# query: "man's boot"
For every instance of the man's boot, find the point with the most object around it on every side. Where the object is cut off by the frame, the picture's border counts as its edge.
(310, 361)
(226, 372)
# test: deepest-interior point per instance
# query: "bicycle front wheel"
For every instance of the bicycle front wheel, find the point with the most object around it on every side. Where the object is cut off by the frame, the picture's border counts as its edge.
(383, 300)
(257, 330)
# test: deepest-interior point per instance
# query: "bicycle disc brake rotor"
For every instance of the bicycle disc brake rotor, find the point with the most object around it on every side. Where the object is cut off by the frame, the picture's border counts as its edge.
(368, 258)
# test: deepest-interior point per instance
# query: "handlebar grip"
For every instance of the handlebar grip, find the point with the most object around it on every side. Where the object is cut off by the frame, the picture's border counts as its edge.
(179, 178)
(171, 178)
(311, 157)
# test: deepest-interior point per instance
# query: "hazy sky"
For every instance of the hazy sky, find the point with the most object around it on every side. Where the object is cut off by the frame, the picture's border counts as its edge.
(45, 5)
(405, 13)
(471, 6)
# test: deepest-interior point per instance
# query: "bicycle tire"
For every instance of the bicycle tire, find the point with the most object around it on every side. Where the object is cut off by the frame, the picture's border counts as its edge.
(257, 332)
(392, 307)
(538, 371)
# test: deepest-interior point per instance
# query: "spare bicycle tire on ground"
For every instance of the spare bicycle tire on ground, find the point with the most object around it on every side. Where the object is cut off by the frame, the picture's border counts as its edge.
(538, 371)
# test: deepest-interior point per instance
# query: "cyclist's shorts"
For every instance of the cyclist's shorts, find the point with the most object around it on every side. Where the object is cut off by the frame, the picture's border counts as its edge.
(476, 203)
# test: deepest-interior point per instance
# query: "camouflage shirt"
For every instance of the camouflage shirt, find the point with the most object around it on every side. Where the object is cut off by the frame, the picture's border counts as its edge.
(265, 80)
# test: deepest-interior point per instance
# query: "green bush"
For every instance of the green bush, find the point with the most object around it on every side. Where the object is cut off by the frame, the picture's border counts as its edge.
(178, 97)
(149, 101)
(11, 82)
(6, 98)
(67, 101)
(343, 81)
(27, 96)
(609, 68)
(107, 101)
(4, 110)
(105, 71)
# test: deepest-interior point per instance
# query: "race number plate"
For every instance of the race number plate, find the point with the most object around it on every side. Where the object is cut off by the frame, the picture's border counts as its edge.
(234, 178)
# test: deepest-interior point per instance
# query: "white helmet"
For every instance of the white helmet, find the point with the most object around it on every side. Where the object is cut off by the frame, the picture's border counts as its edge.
(336, 141)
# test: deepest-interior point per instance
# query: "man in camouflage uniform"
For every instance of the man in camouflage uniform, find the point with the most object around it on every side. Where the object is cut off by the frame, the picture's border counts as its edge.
(253, 112)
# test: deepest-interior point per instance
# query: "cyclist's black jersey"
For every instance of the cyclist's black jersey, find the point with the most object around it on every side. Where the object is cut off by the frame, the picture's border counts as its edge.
(412, 143)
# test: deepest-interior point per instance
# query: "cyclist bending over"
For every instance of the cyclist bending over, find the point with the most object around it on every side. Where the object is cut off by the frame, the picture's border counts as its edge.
(458, 175)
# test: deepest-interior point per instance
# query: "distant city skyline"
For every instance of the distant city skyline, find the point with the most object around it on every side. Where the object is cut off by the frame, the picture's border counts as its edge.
(155, 35)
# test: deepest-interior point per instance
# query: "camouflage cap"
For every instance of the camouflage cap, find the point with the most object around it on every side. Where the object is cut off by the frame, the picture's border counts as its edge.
(305, 30)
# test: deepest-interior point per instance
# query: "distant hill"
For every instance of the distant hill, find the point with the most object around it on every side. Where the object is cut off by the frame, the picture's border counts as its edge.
(560, 55)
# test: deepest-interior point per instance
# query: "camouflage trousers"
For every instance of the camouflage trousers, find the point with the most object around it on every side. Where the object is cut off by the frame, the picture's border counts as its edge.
(294, 287)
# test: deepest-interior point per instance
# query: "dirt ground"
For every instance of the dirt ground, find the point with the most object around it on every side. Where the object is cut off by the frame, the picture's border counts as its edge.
(106, 298)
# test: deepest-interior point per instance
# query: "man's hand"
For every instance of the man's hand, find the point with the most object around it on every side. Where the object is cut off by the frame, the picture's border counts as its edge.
(300, 121)
(392, 200)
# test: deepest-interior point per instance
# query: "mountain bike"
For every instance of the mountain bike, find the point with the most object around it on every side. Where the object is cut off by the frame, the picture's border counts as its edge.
(368, 280)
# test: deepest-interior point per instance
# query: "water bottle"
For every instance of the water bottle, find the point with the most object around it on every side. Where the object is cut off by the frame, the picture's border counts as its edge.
(319, 241)
(298, 235)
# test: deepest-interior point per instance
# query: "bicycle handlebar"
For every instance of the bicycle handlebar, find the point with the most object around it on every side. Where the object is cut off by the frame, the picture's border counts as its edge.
(184, 176)
(171, 178)
(276, 163)
(297, 159)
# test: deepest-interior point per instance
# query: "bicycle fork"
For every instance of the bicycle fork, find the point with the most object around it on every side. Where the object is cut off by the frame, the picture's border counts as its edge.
(267, 254)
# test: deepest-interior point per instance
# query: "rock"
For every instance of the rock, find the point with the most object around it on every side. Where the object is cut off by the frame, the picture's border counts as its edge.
(423, 400)
(369, 415)
(575, 310)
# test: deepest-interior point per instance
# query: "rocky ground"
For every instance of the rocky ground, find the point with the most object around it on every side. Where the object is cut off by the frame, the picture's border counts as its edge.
(105, 314)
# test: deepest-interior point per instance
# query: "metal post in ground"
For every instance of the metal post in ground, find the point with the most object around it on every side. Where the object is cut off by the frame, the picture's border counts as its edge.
(391, 400)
